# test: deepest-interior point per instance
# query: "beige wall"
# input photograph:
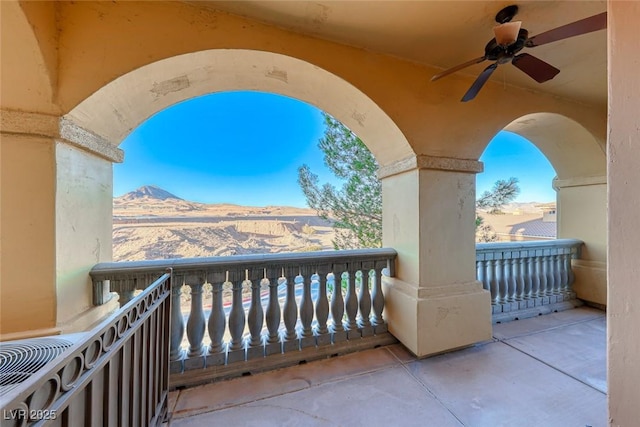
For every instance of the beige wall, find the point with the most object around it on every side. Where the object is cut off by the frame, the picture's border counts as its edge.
(623, 309)
(31, 85)
(582, 214)
(27, 272)
(426, 113)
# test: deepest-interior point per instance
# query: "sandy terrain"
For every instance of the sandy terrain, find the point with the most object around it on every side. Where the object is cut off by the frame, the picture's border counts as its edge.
(153, 224)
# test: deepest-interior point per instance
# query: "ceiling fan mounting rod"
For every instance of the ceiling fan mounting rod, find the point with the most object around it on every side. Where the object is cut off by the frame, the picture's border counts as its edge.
(506, 14)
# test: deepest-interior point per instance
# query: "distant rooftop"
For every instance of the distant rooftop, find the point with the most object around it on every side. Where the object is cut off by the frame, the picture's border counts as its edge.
(520, 226)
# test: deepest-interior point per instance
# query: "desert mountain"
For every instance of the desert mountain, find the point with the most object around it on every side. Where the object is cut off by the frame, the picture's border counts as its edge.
(152, 223)
(150, 200)
(149, 191)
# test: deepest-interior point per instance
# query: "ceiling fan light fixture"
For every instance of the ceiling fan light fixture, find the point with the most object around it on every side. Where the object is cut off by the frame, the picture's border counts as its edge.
(507, 33)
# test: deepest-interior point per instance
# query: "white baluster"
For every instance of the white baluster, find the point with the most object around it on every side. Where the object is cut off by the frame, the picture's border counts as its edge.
(235, 348)
(502, 284)
(351, 306)
(377, 298)
(290, 338)
(306, 313)
(364, 304)
(493, 283)
(321, 331)
(217, 325)
(273, 318)
(559, 282)
(509, 279)
(176, 353)
(480, 274)
(542, 275)
(520, 274)
(548, 271)
(534, 266)
(195, 329)
(255, 319)
(570, 274)
(564, 272)
(337, 309)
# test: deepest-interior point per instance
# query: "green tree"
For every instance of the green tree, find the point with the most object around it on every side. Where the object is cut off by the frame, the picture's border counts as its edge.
(355, 208)
(503, 192)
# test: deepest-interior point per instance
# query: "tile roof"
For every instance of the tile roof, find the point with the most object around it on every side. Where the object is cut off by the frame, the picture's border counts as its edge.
(525, 225)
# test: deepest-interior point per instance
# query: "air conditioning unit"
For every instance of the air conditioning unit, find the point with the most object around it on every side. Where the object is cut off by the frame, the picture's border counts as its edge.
(22, 358)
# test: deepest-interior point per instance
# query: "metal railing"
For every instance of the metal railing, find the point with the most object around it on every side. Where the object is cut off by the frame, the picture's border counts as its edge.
(115, 376)
(256, 312)
(526, 275)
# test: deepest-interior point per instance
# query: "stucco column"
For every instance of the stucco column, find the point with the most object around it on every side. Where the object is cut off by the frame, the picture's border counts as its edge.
(27, 224)
(84, 215)
(582, 214)
(623, 176)
(434, 302)
(56, 215)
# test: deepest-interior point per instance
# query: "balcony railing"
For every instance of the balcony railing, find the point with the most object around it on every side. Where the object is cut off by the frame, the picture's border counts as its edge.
(115, 375)
(257, 312)
(528, 278)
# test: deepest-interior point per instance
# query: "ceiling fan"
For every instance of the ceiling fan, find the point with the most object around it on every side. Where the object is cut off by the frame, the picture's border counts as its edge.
(510, 39)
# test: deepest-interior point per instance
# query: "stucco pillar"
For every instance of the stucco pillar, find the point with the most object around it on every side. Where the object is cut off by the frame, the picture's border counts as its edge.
(434, 302)
(623, 176)
(55, 222)
(84, 211)
(582, 214)
(27, 225)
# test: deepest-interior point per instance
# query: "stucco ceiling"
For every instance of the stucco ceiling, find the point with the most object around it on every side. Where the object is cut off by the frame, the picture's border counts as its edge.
(447, 33)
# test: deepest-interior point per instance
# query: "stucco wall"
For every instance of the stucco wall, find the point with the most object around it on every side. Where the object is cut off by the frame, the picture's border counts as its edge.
(83, 228)
(582, 214)
(428, 113)
(623, 308)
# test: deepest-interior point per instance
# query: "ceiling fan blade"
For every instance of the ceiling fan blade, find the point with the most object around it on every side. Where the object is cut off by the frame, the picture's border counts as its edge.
(457, 68)
(535, 68)
(480, 81)
(584, 26)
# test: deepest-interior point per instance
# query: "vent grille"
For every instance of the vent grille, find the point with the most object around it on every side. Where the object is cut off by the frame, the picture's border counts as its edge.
(21, 359)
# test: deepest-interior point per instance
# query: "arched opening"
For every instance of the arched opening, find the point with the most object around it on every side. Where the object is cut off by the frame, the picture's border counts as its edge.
(217, 175)
(572, 150)
(580, 165)
(531, 213)
(83, 217)
(117, 108)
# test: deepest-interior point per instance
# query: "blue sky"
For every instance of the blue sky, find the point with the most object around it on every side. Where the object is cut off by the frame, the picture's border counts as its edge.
(509, 154)
(245, 148)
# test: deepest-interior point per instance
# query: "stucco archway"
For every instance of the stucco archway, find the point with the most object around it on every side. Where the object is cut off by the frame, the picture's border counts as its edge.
(579, 160)
(117, 108)
(572, 150)
(83, 210)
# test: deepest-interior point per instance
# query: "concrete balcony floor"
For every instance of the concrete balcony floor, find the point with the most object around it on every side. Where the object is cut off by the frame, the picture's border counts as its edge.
(545, 371)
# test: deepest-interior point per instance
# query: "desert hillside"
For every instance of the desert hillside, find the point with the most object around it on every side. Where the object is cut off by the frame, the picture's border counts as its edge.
(151, 223)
